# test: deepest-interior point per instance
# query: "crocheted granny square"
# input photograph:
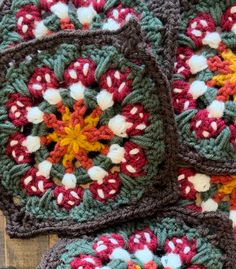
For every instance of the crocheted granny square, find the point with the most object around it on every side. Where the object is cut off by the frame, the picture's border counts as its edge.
(87, 132)
(203, 193)
(174, 239)
(29, 19)
(204, 87)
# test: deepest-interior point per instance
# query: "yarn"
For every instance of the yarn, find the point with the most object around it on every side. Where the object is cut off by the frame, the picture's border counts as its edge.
(204, 86)
(75, 155)
(173, 238)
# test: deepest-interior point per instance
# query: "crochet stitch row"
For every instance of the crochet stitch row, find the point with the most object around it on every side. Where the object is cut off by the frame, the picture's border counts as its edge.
(163, 242)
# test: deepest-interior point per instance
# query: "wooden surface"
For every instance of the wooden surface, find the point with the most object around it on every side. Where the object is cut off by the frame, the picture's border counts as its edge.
(22, 253)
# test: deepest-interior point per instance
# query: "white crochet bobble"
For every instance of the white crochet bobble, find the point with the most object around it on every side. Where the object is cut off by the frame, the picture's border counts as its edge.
(200, 182)
(197, 88)
(116, 153)
(111, 25)
(86, 14)
(105, 99)
(97, 173)
(60, 10)
(40, 30)
(118, 125)
(32, 143)
(44, 168)
(216, 109)
(212, 40)
(52, 96)
(209, 205)
(77, 91)
(69, 181)
(34, 115)
(197, 63)
(121, 254)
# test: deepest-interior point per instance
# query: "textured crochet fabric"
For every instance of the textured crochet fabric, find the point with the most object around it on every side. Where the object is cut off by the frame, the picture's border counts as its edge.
(87, 132)
(205, 193)
(29, 19)
(174, 239)
(203, 92)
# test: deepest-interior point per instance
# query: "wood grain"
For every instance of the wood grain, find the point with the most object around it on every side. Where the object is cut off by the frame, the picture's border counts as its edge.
(22, 253)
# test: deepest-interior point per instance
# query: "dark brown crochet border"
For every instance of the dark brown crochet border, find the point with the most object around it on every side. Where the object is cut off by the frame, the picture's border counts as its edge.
(219, 223)
(168, 11)
(127, 41)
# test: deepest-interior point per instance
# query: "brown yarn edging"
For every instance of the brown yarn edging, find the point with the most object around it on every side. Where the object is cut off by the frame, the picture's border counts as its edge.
(168, 11)
(205, 165)
(128, 41)
(203, 222)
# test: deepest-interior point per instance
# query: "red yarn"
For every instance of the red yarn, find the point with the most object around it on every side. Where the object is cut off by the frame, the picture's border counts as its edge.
(206, 127)
(117, 83)
(105, 245)
(97, 4)
(181, 66)
(107, 189)
(134, 160)
(17, 106)
(141, 239)
(198, 27)
(232, 128)
(16, 150)
(182, 100)
(194, 208)
(185, 248)
(187, 190)
(228, 19)
(68, 198)
(196, 266)
(34, 184)
(27, 17)
(136, 115)
(47, 4)
(42, 79)
(82, 70)
(122, 14)
(86, 262)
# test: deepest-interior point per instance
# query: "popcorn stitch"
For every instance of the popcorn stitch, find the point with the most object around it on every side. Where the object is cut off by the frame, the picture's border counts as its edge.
(150, 244)
(203, 90)
(37, 19)
(205, 193)
(66, 95)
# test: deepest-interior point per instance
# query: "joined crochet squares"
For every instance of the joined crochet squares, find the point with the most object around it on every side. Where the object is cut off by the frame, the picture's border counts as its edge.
(83, 131)
(156, 243)
(204, 90)
(29, 19)
(204, 193)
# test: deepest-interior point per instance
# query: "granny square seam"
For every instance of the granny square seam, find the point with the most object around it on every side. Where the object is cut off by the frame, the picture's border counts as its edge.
(173, 239)
(25, 20)
(203, 90)
(205, 193)
(87, 132)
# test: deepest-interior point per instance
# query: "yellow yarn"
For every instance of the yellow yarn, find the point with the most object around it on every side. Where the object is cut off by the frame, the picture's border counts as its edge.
(221, 79)
(228, 187)
(74, 138)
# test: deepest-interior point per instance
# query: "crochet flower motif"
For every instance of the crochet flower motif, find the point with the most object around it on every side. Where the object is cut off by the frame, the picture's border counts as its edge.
(208, 193)
(140, 249)
(70, 143)
(29, 20)
(204, 88)
(141, 245)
